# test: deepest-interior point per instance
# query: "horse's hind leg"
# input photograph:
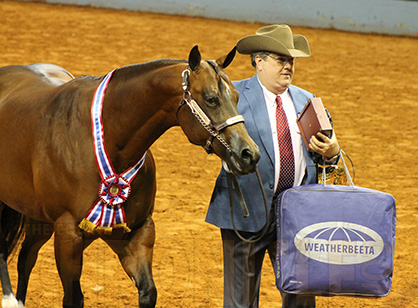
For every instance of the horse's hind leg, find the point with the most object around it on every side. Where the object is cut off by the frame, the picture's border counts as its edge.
(69, 248)
(9, 300)
(135, 255)
(10, 223)
(37, 234)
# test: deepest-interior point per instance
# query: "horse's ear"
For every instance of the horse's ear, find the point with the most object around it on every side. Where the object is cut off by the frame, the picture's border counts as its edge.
(194, 58)
(226, 60)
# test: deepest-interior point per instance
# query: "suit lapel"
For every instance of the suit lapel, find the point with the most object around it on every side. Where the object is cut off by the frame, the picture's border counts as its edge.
(299, 100)
(254, 96)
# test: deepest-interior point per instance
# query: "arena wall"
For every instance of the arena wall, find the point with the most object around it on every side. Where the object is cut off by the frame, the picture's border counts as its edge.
(397, 17)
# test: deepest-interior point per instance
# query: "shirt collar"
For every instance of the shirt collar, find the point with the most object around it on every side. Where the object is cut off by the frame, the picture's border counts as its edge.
(270, 96)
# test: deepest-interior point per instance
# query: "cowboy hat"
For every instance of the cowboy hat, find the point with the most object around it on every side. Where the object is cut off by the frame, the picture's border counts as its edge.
(277, 39)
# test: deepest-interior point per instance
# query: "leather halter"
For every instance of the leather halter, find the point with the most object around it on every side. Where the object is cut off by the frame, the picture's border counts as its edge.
(203, 119)
(214, 131)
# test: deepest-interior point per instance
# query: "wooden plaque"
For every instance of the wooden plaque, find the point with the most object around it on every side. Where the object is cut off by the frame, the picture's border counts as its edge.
(314, 119)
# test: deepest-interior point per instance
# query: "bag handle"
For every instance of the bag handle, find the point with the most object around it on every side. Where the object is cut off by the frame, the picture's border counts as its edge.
(349, 178)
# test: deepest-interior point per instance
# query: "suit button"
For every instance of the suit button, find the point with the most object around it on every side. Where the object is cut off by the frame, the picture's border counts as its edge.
(271, 186)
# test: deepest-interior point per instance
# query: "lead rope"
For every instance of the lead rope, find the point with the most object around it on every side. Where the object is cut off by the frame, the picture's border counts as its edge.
(232, 179)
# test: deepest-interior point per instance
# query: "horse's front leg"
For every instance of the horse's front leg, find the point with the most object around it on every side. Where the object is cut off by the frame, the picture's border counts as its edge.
(37, 234)
(69, 257)
(135, 255)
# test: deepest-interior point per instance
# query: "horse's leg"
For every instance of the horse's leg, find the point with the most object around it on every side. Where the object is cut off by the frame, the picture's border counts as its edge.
(9, 300)
(69, 248)
(37, 234)
(10, 223)
(135, 255)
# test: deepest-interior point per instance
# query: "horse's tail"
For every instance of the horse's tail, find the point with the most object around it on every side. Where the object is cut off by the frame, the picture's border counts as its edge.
(12, 226)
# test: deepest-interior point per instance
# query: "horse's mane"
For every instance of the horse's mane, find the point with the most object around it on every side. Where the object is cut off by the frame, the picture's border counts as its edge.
(149, 66)
(139, 67)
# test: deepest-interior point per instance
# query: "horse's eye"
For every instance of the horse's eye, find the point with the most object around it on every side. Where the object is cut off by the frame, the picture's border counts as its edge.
(212, 101)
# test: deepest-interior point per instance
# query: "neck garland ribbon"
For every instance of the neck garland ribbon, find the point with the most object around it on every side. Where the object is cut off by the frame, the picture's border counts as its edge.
(107, 212)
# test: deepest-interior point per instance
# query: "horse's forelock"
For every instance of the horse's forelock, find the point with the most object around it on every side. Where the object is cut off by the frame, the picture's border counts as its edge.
(217, 71)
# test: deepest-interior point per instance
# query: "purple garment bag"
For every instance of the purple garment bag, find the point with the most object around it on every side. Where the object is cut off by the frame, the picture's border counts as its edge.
(335, 240)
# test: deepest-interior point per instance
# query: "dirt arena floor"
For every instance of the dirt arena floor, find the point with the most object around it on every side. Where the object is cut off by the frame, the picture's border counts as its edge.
(368, 83)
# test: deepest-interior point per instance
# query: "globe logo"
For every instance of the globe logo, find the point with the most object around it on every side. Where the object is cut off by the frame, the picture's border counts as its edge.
(337, 242)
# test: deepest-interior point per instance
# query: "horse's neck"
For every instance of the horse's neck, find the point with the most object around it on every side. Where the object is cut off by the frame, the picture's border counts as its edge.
(138, 108)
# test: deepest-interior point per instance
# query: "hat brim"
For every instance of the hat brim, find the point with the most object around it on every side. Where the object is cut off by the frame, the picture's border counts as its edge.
(256, 43)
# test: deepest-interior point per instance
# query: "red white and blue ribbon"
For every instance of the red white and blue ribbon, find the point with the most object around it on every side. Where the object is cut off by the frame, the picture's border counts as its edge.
(107, 212)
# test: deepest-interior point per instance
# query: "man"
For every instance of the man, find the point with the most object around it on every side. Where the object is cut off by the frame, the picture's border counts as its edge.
(270, 105)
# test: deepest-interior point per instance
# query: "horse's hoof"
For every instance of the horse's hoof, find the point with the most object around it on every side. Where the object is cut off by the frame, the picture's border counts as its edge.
(9, 301)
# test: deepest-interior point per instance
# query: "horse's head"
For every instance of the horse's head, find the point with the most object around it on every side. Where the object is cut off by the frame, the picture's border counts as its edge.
(212, 119)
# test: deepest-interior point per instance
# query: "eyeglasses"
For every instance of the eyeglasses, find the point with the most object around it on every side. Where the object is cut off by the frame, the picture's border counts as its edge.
(283, 60)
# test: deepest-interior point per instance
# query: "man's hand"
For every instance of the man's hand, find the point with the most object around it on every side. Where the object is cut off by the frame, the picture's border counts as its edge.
(329, 147)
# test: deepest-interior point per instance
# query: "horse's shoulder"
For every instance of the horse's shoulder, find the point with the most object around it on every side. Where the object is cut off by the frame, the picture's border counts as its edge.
(51, 73)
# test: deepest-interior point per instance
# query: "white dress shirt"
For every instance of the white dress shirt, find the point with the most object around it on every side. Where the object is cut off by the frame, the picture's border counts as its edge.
(289, 108)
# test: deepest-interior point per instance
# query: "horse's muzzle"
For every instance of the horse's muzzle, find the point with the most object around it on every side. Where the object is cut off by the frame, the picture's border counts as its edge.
(245, 161)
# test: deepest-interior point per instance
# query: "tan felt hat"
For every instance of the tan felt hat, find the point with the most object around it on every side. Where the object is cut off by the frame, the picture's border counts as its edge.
(276, 39)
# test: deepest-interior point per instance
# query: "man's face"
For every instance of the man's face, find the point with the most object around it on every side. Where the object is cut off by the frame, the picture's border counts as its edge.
(275, 72)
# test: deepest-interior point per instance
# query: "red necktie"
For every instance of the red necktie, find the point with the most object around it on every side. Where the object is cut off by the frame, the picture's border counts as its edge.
(287, 159)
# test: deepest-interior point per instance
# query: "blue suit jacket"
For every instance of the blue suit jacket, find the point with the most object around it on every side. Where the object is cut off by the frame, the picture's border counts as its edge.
(252, 106)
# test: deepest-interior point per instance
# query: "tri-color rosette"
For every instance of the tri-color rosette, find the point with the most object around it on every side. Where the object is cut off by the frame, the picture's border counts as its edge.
(114, 190)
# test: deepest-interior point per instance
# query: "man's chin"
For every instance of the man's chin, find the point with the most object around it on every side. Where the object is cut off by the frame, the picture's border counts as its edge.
(284, 85)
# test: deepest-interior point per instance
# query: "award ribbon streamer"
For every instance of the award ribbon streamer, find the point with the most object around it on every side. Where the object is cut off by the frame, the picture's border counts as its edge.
(107, 212)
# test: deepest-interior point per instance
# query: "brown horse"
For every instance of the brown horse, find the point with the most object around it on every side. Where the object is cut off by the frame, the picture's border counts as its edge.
(49, 165)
